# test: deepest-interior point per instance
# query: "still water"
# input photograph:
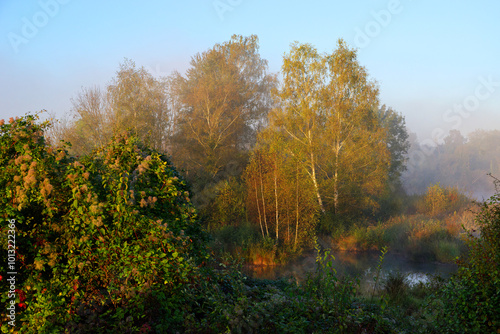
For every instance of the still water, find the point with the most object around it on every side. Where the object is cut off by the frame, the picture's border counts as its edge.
(359, 264)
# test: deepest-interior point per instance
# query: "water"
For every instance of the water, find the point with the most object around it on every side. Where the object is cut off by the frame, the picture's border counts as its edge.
(360, 264)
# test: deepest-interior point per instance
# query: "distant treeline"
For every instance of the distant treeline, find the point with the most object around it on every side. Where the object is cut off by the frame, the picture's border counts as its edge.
(459, 161)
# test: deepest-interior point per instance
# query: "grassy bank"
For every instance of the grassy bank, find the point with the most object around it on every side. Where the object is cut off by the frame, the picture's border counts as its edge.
(428, 227)
(418, 236)
(244, 241)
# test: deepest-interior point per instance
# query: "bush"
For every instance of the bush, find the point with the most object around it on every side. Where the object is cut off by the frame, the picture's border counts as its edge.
(228, 206)
(442, 200)
(396, 286)
(446, 251)
(103, 243)
(473, 296)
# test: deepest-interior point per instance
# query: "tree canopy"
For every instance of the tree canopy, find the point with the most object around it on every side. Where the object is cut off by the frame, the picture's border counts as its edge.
(326, 116)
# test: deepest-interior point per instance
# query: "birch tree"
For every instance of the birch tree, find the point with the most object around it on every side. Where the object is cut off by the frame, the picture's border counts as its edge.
(299, 116)
(280, 195)
(327, 115)
(360, 158)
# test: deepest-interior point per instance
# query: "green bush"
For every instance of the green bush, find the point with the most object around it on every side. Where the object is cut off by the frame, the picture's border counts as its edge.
(228, 206)
(234, 238)
(396, 286)
(333, 225)
(473, 296)
(104, 243)
(446, 251)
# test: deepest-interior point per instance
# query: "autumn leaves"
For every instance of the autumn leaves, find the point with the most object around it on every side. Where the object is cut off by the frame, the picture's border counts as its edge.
(325, 148)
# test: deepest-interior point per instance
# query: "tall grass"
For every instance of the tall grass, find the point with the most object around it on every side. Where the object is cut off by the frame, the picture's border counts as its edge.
(419, 236)
(432, 230)
(245, 241)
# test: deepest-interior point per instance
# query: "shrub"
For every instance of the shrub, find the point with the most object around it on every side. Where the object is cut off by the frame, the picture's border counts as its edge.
(396, 286)
(435, 200)
(228, 206)
(441, 200)
(473, 297)
(104, 243)
(446, 251)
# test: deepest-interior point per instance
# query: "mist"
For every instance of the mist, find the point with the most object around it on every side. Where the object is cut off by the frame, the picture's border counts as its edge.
(458, 161)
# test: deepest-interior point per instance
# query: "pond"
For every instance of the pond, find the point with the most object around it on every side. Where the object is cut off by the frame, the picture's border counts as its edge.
(359, 264)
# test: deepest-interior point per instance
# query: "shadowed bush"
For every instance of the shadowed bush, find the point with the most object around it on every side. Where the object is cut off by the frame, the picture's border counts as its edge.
(396, 286)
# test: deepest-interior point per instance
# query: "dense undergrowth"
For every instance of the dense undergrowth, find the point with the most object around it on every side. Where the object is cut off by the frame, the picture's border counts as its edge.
(418, 236)
(110, 243)
(432, 228)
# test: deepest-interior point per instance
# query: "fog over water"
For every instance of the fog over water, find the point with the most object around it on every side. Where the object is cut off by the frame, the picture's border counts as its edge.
(356, 264)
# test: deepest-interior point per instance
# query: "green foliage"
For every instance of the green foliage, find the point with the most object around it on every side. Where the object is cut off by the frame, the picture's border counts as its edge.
(379, 269)
(396, 286)
(473, 296)
(397, 142)
(234, 238)
(420, 237)
(391, 203)
(324, 285)
(105, 242)
(228, 206)
(334, 225)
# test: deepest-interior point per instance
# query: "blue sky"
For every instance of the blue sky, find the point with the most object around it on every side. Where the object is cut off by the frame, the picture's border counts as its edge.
(437, 62)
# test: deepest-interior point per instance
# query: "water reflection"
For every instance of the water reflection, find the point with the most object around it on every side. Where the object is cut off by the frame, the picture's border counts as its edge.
(361, 265)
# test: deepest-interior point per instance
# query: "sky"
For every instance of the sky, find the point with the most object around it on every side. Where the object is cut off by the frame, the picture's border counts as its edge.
(436, 62)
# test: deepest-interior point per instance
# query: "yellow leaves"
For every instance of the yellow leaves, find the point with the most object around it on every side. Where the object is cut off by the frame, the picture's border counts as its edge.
(438, 199)
(52, 259)
(224, 94)
(60, 155)
(94, 209)
(46, 188)
(97, 221)
(30, 178)
(324, 115)
(39, 264)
